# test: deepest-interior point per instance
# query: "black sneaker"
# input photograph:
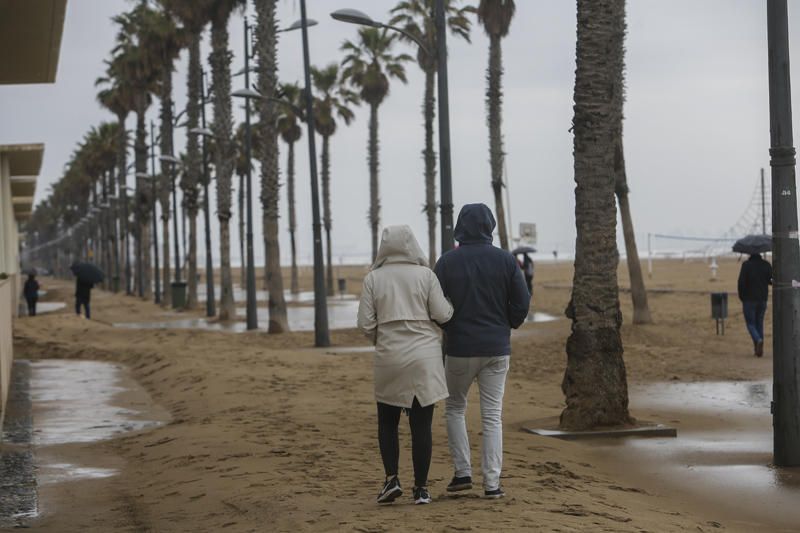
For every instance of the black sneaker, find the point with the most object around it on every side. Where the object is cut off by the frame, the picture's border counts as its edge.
(391, 491)
(494, 494)
(422, 496)
(460, 483)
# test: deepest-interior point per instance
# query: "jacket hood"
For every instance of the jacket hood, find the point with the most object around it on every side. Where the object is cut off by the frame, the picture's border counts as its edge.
(398, 245)
(475, 225)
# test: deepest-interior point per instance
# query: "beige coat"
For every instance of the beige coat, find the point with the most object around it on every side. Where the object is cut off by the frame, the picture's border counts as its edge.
(400, 301)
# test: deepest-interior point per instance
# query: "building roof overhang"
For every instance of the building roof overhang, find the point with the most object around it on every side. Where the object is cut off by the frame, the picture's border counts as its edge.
(24, 164)
(30, 40)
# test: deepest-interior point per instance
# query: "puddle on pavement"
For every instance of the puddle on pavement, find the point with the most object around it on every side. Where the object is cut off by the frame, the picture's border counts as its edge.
(721, 459)
(342, 312)
(49, 307)
(61, 402)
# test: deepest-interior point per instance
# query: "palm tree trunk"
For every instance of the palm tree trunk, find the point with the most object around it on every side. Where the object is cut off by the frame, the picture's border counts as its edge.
(143, 193)
(267, 151)
(326, 206)
(165, 182)
(295, 284)
(594, 383)
(122, 212)
(374, 198)
(429, 155)
(494, 103)
(223, 131)
(194, 161)
(242, 258)
(641, 310)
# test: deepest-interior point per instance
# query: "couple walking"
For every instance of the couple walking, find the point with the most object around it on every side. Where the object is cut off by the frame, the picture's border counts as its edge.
(476, 294)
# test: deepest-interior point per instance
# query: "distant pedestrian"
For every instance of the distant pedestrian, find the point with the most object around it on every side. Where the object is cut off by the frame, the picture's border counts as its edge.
(401, 305)
(489, 297)
(755, 277)
(83, 295)
(31, 293)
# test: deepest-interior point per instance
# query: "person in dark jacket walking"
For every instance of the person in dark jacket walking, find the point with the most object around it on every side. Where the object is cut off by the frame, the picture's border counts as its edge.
(489, 297)
(755, 277)
(83, 295)
(31, 293)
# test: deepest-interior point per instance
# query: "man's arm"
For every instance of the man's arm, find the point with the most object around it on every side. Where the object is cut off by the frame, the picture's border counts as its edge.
(367, 317)
(519, 299)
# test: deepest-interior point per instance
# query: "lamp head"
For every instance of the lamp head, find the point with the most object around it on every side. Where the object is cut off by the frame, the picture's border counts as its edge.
(354, 16)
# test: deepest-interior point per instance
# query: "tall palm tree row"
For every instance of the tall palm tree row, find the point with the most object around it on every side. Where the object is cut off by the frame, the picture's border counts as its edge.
(225, 152)
(416, 17)
(641, 310)
(290, 131)
(595, 383)
(118, 100)
(334, 99)
(496, 15)
(368, 65)
(267, 152)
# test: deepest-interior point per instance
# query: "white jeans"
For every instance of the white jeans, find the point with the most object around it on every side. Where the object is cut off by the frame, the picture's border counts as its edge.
(491, 375)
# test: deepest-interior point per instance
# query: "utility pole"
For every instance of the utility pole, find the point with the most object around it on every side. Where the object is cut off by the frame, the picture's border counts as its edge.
(786, 250)
(763, 206)
(155, 218)
(446, 204)
(322, 336)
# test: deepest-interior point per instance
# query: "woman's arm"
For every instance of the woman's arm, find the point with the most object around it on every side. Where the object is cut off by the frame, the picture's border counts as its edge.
(367, 317)
(439, 308)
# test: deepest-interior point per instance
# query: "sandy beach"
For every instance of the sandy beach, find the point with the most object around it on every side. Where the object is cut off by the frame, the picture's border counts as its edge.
(266, 433)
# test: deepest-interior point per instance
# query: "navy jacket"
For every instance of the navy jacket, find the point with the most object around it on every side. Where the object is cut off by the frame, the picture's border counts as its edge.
(755, 277)
(31, 289)
(486, 287)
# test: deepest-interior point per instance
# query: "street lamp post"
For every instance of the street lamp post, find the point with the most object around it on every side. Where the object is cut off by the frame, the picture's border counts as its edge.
(353, 16)
(173, 161)
(206, 133)
(786, 250)
(252, 317)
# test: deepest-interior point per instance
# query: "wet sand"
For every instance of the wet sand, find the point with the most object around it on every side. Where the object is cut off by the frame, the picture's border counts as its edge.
(267, 433)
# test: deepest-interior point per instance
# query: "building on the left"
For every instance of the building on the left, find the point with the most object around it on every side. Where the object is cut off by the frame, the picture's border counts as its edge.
(30, 45)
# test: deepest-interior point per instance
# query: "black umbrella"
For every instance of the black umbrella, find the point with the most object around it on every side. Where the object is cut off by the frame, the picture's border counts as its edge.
(523, 250)
(87, 272)
(753, 244)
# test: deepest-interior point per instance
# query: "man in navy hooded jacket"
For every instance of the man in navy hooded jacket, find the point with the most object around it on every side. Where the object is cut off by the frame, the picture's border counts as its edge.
(490, 297)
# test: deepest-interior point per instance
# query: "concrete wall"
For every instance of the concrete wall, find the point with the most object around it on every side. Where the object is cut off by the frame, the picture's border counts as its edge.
(7, 290)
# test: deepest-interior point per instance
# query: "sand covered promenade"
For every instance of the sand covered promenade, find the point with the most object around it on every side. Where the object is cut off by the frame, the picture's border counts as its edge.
(266, 433)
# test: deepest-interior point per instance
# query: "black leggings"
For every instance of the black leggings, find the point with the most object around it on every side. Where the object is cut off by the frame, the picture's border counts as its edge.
(420, 419)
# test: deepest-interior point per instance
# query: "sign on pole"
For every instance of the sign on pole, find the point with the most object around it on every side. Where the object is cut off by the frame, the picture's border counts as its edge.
(527, 233)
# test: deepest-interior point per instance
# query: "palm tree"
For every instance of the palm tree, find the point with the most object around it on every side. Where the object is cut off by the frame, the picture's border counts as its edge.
(267, 153)
(118, 100)
(416, 18)
(594, 383)
(333, 99)
(496, 15)
(192, 14)
(241, 171)
(220, 59)
(641, 310)
(290, 132)
(368, 65)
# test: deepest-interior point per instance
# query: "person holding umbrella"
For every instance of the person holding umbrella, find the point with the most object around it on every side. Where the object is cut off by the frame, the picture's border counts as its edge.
(755, 277)
(86, 275)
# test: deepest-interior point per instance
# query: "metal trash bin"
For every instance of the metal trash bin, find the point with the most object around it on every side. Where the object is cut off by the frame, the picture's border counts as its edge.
(178, 294)
(342, 285)
(719, 309)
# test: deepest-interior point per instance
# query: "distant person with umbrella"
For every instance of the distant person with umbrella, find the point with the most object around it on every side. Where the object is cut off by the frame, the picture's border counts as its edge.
(755, 277)
(86, 275)
(31, 292)
(526, 264)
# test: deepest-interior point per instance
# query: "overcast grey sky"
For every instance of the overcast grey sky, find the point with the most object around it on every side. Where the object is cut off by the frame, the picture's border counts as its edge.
(696, 130)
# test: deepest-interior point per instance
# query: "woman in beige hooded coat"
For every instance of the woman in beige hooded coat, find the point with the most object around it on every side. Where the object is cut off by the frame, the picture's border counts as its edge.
(401, 305)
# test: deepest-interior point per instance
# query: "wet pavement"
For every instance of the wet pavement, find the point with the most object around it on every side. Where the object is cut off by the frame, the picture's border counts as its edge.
(721, 459)
(63, 402)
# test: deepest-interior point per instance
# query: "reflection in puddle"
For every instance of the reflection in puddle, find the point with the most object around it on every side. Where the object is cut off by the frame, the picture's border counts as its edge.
(722, 455)
(341, 315)
(60, 472)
